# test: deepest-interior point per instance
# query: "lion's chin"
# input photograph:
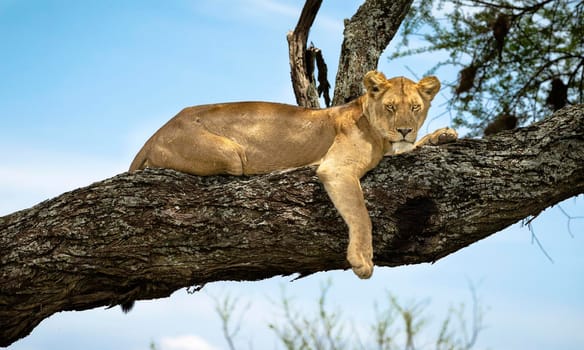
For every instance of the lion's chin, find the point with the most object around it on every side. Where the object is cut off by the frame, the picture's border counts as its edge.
(401, 147)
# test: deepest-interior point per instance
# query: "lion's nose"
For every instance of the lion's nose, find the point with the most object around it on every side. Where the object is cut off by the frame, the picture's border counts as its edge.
(404, 131)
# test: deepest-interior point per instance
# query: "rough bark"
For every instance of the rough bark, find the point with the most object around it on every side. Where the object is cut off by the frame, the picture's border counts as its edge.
(302, 82)
(366, 35)
(145, 235)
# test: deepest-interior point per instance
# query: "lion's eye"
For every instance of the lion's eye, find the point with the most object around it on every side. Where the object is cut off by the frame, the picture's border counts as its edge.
(416, 108)
(390, 107)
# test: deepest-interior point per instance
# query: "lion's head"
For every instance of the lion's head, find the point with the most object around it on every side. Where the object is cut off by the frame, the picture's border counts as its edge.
(397, 107)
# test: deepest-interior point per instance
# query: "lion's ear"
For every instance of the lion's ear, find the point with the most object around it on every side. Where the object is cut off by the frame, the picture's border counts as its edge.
(374, 81)
(429, 86)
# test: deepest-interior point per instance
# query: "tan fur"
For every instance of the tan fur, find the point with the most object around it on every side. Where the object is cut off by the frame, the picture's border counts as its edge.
(345, 141)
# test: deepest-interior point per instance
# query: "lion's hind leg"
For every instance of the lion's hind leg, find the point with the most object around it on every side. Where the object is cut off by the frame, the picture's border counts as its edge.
(199, 153)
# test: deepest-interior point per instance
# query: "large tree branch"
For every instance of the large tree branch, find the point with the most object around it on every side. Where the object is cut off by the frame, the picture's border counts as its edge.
(145, 235)
(366, 34)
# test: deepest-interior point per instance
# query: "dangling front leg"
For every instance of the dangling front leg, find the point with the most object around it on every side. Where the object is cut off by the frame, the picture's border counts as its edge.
(345, 192)
(438, 137)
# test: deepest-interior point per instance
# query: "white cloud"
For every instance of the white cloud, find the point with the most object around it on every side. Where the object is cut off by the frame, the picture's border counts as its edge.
(185, 342)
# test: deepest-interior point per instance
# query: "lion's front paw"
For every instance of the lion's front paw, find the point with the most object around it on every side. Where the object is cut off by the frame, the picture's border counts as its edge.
(361, 263)
(442, 136)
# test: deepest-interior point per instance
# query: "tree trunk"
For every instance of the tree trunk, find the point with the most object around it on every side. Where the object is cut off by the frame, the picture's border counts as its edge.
(367, 34)
(145, 235)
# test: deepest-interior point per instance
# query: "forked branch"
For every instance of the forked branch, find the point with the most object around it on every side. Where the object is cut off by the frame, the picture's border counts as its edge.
(302, 82)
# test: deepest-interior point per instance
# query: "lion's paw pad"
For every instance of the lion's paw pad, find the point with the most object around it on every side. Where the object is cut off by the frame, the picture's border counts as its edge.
(445, 135)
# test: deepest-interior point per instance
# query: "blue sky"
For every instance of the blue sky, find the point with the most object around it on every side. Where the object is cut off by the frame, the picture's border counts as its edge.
(84, 83)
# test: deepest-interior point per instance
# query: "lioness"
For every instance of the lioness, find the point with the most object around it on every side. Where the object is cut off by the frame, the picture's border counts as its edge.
(345, 141)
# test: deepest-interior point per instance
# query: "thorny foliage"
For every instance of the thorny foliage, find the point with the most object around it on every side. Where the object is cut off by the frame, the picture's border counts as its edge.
(515, 58)
(396, 326)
